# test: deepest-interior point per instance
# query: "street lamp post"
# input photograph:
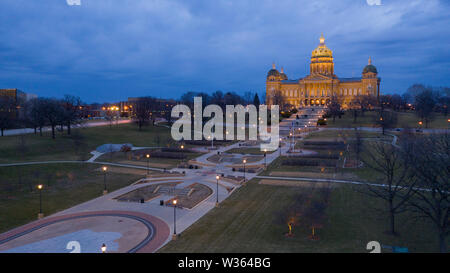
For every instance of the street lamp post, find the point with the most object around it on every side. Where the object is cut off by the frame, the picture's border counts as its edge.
(40, 215)
(148, 163)
(212, 141)
(182, 153)
(217, 190)
(265, 159)
(244, 161)
(290, 134)
(174, 202)
(105, 191)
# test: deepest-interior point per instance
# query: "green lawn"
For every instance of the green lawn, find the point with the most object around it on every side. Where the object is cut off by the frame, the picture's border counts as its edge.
(32, 147)
(251, 151)
(250, 221)
(121, 157)
(404, 119)
(65, 185)
(343, 134)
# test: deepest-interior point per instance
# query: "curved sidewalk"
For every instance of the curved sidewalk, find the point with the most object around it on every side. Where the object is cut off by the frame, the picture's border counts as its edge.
(158, 230)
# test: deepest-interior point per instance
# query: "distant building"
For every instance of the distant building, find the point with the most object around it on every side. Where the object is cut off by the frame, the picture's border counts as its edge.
(321, 84)
(19, 96)
(161, 108)
(19, 99)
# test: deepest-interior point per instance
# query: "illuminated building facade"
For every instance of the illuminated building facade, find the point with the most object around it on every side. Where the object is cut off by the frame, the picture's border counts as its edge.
(321, 84)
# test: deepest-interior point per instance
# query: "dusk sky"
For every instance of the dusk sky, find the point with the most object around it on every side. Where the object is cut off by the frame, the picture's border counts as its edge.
(109, 50)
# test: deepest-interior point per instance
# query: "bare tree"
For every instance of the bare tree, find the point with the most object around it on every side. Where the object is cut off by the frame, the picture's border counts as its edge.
(334, 107)
(7, 112)
(394, 168)
(142, 109)
(431, 159)
(363, 103)
(425, 103)
(35, 114)
(53, 112)
(386, 120)
(71, 114)
(357, 145)
(247, 98)
(277, 98)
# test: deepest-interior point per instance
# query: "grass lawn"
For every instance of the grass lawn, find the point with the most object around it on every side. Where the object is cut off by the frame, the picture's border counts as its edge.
(250, 221)
(342, 135)
(32, 147)
(404, 119)
(120, 157)
(65, 185)
(251, 151)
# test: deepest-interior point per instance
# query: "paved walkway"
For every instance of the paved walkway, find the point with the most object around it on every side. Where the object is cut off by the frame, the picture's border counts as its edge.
(161, 217)
(326, 180)
(157, 231)
(22, 131)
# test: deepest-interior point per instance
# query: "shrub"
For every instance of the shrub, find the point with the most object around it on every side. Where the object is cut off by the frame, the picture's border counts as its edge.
(285, 114)
(321, 122)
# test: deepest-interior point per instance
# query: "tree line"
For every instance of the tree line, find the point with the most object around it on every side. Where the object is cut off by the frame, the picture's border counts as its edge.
(221, 99)
(426, 101)
(415, 176)
(40, 112)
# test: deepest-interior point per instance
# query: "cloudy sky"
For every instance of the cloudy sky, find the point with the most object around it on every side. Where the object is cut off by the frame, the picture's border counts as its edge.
(107, 50)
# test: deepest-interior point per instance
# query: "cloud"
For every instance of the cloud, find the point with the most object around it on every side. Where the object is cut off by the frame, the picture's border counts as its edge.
(114, 48)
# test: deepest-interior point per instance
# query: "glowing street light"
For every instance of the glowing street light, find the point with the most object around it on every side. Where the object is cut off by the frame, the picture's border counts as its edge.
(212, 141)
(279, 146)
(265, 159)
(292, 140)
(244, 161)
(174, 203)
(103, 248)
(148, 163)
(217, 190)
(40, 187)
(182, 153)
(104, 169)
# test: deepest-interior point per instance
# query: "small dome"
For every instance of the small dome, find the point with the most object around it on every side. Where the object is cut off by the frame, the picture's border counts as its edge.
(370, 68)
(273, 72)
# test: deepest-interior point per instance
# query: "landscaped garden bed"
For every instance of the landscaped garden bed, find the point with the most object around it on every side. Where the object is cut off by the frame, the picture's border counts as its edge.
(146, 193)
(199, 193)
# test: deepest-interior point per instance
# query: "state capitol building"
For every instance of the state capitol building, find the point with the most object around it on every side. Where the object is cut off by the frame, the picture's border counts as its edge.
(321, 84)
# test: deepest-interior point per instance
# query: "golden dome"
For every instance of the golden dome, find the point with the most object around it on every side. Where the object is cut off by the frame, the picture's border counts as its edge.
(322, 50)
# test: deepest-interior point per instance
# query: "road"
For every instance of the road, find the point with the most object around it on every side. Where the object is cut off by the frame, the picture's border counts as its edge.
(21, 131)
